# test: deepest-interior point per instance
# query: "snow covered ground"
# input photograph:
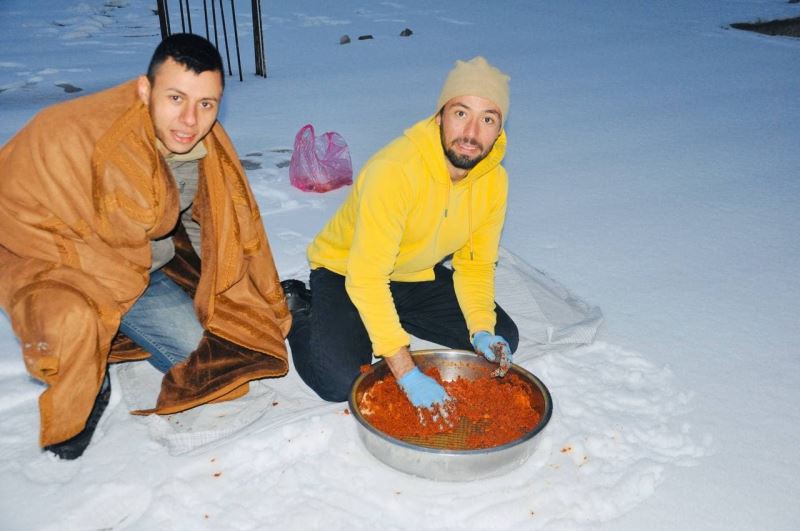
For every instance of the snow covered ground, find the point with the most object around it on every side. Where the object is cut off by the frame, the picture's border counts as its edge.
(653, 156)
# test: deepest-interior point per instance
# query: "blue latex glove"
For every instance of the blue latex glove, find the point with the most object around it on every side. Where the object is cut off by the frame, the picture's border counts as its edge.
(484, 341)
(422, 390)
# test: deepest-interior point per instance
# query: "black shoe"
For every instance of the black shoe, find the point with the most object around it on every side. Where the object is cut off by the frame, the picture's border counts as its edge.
(73, 448)
(298, 296)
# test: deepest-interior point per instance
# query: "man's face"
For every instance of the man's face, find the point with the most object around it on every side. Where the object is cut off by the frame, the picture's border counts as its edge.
(183, 105)
(469, 127)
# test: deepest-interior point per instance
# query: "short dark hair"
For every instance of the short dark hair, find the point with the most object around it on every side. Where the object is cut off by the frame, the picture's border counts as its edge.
(192, 51)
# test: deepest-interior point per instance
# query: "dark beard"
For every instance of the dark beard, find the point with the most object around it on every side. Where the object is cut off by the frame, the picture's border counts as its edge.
(462, 162)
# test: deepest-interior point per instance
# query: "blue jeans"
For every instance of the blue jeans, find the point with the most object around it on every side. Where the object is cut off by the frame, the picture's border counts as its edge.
(163, 322)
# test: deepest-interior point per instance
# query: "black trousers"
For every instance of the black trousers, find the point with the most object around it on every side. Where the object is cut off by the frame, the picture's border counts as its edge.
(331, 344)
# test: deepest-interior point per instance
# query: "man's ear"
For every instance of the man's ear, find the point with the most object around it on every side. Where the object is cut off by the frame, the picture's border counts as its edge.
(143, 89)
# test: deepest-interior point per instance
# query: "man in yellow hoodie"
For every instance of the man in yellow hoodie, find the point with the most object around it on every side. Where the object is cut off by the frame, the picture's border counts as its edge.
(377, 271)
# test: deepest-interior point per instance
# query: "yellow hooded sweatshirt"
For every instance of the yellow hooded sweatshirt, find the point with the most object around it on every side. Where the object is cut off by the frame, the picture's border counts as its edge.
(403, 216)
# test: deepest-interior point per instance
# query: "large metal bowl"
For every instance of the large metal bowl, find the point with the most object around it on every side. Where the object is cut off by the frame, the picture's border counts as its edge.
(446, 463)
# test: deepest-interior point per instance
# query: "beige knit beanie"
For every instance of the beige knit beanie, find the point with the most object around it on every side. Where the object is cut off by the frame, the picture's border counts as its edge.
(476, 77)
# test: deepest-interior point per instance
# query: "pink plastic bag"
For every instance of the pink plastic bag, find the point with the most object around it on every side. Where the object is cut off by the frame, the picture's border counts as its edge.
(320, 164)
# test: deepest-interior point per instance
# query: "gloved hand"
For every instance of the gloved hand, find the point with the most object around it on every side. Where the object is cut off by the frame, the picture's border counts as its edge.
(422, 390)
(486, 343)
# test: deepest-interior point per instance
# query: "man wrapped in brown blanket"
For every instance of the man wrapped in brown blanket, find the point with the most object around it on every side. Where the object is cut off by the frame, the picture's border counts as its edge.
(109, 205)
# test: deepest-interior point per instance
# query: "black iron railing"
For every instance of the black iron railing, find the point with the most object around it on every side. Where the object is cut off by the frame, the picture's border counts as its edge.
(218, 23)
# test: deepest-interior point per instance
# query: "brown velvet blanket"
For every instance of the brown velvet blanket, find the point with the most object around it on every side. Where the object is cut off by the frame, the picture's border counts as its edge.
(83, 190)
(218, 369)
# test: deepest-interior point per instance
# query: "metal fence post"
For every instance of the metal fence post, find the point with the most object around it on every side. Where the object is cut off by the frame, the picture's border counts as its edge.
(258, 39)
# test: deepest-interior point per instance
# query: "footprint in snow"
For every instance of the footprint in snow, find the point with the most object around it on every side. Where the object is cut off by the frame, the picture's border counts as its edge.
(105, 506)
(271, 161)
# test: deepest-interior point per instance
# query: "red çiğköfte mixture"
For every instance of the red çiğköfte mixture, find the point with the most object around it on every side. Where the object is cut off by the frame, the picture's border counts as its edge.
(501, 408)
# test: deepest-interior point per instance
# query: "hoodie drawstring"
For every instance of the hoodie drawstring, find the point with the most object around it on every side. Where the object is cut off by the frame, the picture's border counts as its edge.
(469, 216)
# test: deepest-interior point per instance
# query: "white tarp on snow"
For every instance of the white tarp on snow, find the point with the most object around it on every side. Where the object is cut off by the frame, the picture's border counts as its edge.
(548, 316)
